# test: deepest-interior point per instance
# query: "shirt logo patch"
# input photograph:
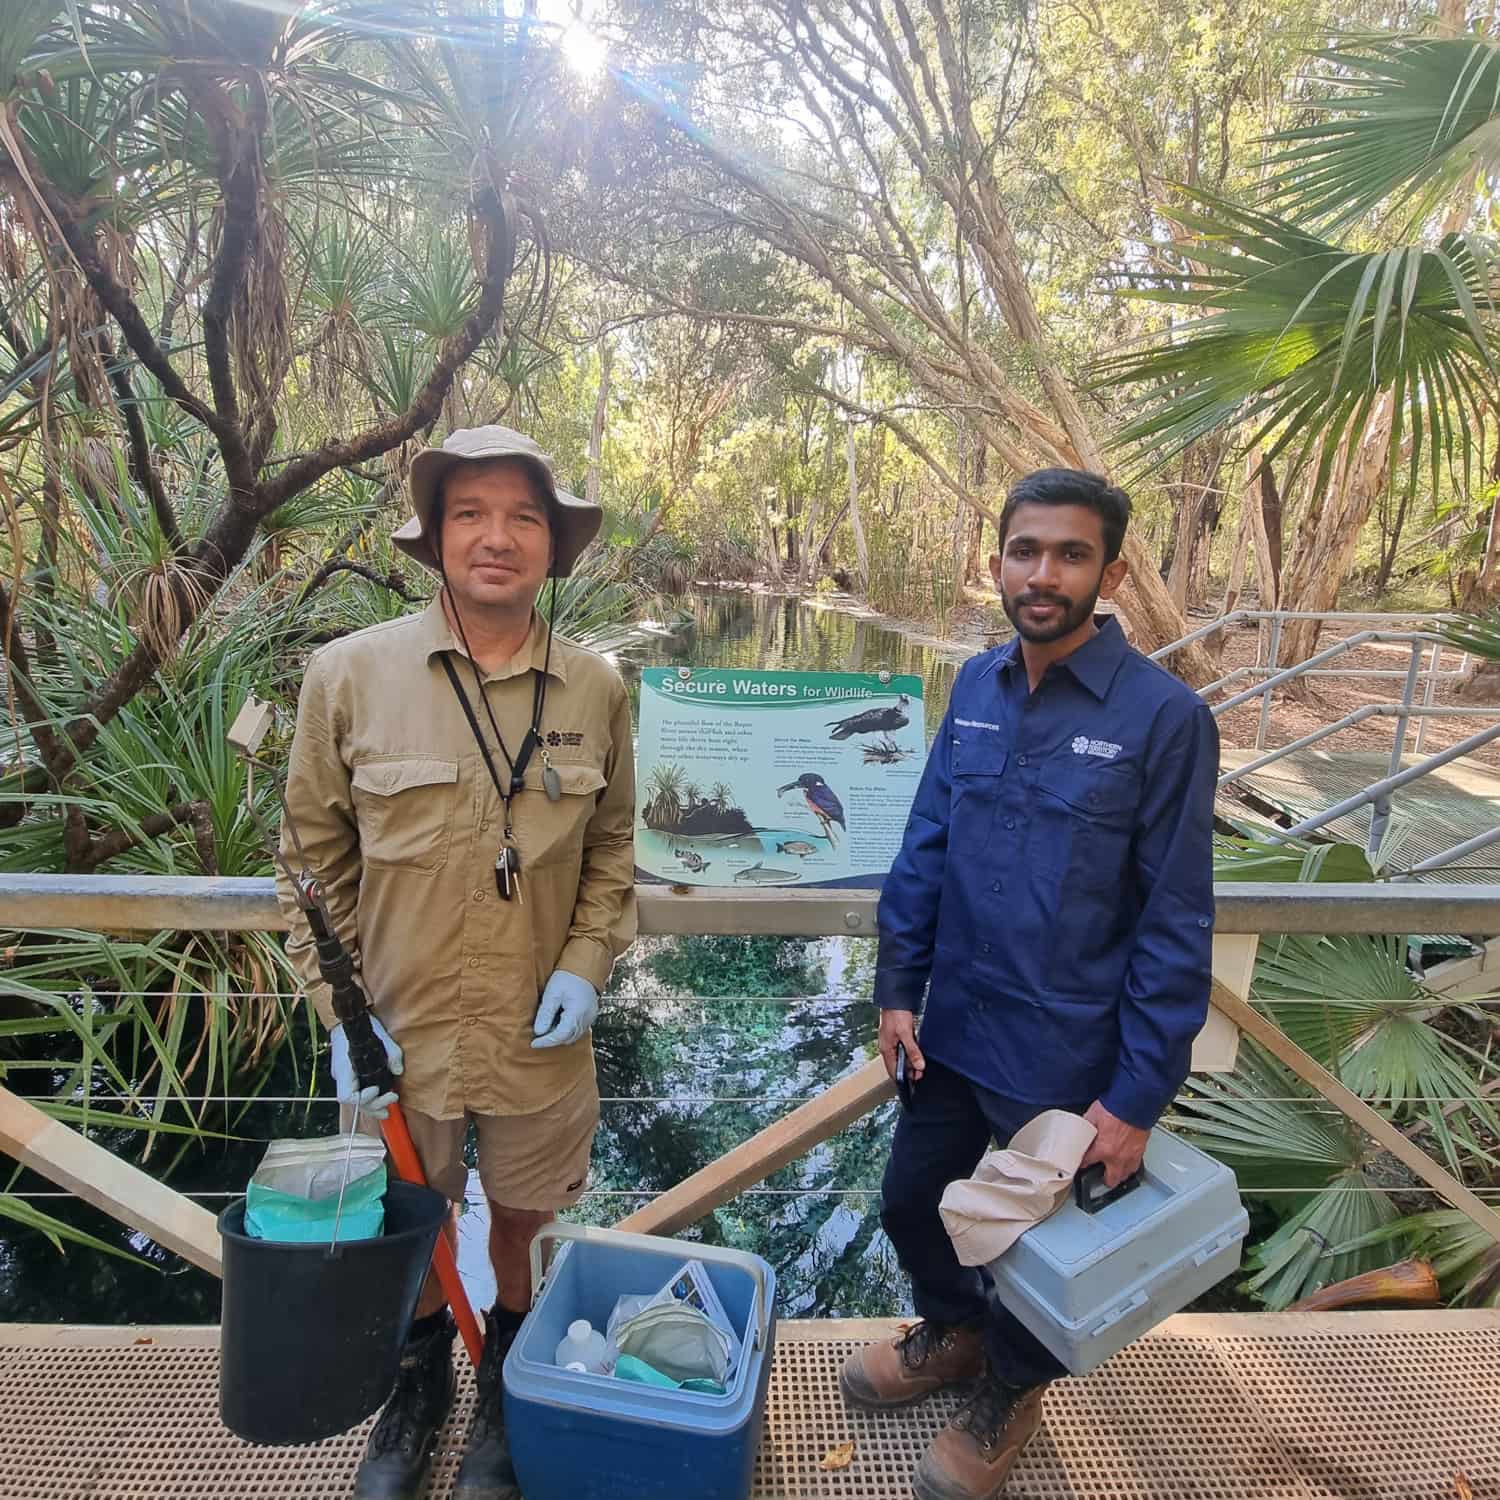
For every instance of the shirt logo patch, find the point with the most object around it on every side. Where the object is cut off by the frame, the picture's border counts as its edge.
(568, 737)
(1105, 749)
(975, 724)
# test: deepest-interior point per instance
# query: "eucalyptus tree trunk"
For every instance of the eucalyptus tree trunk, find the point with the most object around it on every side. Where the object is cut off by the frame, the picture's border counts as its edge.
(596, 431)
(856, 522)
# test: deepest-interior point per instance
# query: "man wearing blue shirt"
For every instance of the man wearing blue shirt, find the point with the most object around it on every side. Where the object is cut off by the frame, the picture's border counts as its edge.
(1053, 899)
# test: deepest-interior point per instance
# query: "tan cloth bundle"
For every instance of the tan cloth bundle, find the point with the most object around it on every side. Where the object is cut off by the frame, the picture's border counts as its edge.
(1015, 1188)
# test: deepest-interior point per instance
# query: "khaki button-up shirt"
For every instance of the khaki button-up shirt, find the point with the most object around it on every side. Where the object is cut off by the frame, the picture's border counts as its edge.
(401, 823)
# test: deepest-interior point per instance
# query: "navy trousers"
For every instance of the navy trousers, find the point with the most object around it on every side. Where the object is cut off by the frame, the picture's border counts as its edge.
(938, 1141)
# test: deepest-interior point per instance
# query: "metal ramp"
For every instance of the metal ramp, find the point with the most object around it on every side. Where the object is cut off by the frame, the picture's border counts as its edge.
(1343, 1406)
(1449, 805)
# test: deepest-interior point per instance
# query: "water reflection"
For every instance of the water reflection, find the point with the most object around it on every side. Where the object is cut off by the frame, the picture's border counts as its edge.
(765, 633)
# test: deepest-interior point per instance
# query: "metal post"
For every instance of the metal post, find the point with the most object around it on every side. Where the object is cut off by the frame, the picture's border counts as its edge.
(1408, 692)
(1265, 703)
(1432, 681)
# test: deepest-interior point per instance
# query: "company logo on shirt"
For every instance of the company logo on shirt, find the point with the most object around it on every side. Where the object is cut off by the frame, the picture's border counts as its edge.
(1105, 749)
(974, 724)
(569, 737)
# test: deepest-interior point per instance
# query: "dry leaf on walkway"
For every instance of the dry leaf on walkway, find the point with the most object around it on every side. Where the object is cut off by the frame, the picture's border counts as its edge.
(1461, 1486)
(843, 1455)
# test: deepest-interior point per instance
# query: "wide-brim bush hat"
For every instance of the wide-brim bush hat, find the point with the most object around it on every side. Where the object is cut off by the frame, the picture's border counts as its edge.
(575, 522)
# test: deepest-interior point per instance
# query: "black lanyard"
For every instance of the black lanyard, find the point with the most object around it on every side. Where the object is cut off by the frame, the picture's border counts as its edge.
(532, 740)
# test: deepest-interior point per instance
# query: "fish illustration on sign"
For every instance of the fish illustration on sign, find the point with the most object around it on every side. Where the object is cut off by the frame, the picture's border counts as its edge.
(800, 847)
(758, 874)
(693, 860)
(822, 801)
(872, 720)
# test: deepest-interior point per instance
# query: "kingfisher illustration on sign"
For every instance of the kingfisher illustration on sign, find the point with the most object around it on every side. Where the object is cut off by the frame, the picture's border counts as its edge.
(746, 779)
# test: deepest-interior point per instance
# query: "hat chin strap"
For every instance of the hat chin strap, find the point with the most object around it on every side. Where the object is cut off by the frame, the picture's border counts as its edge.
(458, 618)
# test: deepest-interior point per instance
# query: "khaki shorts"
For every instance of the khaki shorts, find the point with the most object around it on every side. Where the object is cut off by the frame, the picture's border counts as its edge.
(538, 1161)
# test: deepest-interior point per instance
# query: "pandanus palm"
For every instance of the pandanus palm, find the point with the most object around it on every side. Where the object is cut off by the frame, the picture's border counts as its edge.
(1348, 363)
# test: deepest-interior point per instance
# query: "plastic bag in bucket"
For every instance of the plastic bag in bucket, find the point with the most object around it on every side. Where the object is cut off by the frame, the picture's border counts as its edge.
(294, 1195)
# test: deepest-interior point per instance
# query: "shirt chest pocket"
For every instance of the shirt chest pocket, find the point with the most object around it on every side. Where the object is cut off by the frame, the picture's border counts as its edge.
(978, 780)
(1084, 818)
(404, 805)
(550, 831)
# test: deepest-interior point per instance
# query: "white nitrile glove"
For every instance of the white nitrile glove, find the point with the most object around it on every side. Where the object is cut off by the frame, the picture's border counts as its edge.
(368, 1101)
(569, 1005)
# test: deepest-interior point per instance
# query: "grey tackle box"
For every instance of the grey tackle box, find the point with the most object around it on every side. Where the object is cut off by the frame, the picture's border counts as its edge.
(1087, 1283)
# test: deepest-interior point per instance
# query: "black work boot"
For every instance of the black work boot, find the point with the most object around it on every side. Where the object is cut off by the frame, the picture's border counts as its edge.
(486, 1472)
(399, 1452)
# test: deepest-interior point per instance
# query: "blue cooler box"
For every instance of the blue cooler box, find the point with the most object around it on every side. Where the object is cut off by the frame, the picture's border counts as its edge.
(1086, 1284)
(592, 1437)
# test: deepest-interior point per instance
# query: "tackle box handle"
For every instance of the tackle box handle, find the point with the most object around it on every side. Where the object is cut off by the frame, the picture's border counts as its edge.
(1091, 1195)
(557, 1230)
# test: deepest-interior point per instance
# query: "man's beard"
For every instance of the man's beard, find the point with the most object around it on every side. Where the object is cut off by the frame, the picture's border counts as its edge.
(1073, 614)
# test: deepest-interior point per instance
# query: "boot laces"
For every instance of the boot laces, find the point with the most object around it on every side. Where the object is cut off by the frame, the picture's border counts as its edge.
(402, 1414)
(921, 1341)
(988, 1409)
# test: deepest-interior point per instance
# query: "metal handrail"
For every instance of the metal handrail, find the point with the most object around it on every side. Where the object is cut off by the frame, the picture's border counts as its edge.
(1348, 617)
(1358, 716)
(1378, 793)
(124, 903)
(1277, 618)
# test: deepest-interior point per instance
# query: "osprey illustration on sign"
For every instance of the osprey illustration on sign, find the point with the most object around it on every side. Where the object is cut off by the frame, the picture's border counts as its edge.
(872, 720)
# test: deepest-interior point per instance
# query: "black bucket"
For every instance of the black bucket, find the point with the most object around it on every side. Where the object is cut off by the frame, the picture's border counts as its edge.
(311, 1338)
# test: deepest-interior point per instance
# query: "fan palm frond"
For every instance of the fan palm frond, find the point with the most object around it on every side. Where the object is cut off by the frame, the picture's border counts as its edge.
(1405, 119)
(1299, 339)
(1352, 1003)
(1253, 859)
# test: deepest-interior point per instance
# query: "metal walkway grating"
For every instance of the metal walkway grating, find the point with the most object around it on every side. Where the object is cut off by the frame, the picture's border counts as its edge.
(1433, 814)
(1354, 1406)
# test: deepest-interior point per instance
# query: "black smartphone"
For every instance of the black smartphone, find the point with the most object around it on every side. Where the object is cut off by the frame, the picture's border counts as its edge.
(906, 1085)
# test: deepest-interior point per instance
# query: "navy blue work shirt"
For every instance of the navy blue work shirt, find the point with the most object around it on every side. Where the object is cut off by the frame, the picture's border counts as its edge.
(1054, 890)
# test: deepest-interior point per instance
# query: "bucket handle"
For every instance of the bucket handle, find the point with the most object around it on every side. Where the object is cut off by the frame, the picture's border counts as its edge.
(557, 1230)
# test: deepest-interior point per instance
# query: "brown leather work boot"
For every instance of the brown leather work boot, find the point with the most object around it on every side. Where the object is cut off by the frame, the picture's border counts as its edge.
(971, 1458)
(922, 1360)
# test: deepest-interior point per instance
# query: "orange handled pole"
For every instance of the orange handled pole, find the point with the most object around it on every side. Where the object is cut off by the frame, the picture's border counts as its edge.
(399, 1143)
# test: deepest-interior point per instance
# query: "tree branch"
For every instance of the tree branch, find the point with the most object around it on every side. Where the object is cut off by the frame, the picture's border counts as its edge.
(120, 841)
(173, 301)
(913, 442)
(424, 409)
(395, 580)
(122, 308)
(142, 470)
(54, 754)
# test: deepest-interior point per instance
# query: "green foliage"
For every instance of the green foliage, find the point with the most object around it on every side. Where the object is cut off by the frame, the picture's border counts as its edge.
(1254, 859)
(714, 966)
(1478, 634)
(1407, 121)
(1463, 1256)
(1267, 1125)
(1352, 1003)
(1299, 338)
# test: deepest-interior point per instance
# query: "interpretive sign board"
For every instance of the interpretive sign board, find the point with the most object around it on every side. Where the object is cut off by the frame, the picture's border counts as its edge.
(747, 779)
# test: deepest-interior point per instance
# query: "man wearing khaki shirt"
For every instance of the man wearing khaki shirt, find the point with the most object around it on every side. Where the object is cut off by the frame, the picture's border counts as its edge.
(463, 786)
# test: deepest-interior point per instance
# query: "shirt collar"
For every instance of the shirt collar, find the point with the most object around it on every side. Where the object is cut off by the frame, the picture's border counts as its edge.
(1094, 663)
(436, 635)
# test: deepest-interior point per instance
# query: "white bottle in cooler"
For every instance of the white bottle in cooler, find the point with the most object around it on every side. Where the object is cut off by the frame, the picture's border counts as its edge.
(585, 1346)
